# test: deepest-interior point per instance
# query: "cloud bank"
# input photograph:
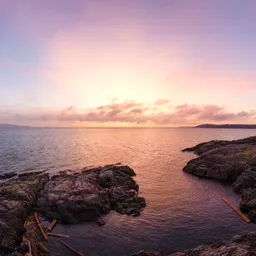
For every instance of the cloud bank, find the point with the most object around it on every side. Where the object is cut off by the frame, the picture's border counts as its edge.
(159, 113)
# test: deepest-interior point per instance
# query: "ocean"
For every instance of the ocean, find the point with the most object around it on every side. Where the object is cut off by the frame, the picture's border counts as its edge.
(182, 211)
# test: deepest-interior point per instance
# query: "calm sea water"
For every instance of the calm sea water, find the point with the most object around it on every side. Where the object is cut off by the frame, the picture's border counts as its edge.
(182, 211)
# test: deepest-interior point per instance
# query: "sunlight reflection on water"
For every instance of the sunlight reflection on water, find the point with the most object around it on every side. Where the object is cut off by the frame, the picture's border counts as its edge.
(182, 211)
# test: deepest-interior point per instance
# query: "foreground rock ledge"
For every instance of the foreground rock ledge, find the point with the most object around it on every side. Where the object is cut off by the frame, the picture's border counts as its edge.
(70, 198)
(87, 195)
(232, 161)
(239, 245)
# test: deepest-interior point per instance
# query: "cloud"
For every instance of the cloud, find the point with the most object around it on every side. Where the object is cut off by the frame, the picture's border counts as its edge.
(131, 112)
(162, 102)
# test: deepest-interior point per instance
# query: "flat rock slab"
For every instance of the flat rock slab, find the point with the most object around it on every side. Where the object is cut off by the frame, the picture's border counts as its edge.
(17, 199)
(239, 245)
(232, 161)
(227, 162)
(87, 195)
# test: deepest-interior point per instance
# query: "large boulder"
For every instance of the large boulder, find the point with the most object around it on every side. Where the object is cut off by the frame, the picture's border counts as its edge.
(87, 195)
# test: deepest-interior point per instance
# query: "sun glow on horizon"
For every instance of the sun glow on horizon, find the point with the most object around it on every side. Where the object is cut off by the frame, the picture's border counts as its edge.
(71, 58)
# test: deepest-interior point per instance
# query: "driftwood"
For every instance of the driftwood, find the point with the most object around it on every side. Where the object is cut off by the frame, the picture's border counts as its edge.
(236, 210)
(72, 249)
(39, 225)
(52, 225)
(57, 235)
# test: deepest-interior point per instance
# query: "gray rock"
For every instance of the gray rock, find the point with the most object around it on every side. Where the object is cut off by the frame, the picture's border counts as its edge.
(231, 161)
(90, 194)
(246, 180)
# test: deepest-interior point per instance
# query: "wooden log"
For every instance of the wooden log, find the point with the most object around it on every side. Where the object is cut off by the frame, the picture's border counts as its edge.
(57, 235)
(52, 225)
(39, 225)
(72, 249)
(236, 210)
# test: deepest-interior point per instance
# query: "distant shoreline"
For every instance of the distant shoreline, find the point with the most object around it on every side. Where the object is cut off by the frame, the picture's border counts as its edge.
(230, 126)
(226, 126)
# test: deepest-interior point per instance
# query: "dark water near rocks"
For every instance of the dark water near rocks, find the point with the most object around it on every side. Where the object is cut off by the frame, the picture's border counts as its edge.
(182, 211)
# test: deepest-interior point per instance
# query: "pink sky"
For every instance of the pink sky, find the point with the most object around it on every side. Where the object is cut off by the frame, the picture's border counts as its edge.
(61, 61)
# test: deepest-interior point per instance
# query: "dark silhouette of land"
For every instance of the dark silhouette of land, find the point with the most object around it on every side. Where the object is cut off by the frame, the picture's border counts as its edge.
(10, 126)
(232, 126)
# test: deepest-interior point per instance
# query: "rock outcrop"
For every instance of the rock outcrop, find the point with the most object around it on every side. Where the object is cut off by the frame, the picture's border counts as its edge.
(239, 245)
(215, 144)
(70, 198)
(87, 195)
(231, 161)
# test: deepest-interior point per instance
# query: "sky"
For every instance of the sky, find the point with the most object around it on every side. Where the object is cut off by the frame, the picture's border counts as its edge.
(127, 63)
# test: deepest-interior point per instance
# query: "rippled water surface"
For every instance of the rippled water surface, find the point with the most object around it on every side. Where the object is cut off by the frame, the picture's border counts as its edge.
(182, 211)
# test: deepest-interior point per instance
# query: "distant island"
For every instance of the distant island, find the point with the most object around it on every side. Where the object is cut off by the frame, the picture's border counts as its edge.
(10, 126)
(231, 126)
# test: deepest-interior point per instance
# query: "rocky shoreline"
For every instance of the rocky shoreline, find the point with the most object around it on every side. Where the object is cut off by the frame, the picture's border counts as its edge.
(229, 161)
(70, 198)
(233, 162)
(91, 193)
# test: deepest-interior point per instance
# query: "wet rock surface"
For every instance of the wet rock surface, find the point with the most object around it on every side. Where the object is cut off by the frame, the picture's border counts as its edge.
(90, 194)
(17, 199)
(231, 161)
(239, 245)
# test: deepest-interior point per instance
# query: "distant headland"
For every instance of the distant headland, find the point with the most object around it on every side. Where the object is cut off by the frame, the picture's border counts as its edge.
(231, 126)
(10, 126)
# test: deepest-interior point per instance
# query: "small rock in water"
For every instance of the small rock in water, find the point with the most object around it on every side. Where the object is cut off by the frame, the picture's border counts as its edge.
(101, 222)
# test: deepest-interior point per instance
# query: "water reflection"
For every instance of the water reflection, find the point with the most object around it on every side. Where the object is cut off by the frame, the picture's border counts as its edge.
(182, 211)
